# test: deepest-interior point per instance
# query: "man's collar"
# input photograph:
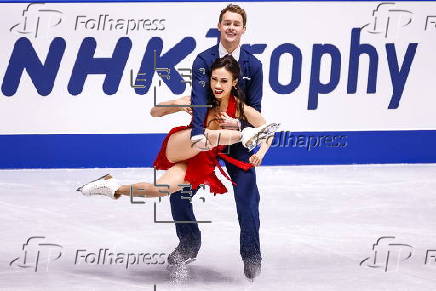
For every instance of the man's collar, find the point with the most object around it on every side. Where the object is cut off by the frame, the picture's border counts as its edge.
(222, 51)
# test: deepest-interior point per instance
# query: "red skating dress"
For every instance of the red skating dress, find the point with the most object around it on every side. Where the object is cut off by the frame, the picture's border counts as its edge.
(201, 168)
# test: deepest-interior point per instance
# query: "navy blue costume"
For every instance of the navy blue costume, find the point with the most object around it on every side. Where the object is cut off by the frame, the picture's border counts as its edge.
(246, 192)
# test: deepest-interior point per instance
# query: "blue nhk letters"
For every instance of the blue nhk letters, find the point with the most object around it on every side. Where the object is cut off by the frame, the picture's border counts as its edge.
(43, 73)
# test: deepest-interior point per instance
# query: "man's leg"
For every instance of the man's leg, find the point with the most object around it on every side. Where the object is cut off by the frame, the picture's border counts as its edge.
(247, 204)
(188, 233)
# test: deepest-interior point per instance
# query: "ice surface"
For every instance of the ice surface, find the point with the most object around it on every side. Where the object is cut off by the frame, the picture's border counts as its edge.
(318, 223)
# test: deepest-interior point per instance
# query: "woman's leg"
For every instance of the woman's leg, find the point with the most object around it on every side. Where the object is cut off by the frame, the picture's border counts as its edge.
(173, 177)
(180, 147)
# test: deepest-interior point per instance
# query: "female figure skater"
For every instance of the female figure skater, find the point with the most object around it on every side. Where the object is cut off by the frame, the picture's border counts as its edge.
(193, 162)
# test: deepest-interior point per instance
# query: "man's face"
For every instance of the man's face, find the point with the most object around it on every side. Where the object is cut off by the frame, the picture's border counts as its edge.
(231, 27)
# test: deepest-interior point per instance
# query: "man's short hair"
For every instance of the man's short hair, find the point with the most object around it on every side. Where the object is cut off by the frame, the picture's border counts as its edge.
(235, 9)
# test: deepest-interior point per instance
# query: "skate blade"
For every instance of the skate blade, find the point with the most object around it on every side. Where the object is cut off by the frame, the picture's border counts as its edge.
(271, 128)
(105, 177)
(266, 133)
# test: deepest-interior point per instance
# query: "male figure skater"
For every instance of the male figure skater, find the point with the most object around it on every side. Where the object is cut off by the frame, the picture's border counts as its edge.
(232, 24)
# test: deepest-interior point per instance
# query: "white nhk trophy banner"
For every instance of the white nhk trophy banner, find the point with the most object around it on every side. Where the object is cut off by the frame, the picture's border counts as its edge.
(328, 66)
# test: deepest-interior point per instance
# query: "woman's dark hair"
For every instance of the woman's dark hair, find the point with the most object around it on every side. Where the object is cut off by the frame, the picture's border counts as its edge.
(232, 66)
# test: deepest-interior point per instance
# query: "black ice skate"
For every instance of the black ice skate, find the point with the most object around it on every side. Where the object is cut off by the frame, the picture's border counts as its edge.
(185, 253)
(252, 269)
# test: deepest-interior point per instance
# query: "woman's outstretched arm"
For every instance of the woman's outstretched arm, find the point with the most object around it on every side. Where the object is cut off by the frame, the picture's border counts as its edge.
(162, 111)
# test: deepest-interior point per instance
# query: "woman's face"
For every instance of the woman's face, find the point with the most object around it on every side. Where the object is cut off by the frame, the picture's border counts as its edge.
(221, 83)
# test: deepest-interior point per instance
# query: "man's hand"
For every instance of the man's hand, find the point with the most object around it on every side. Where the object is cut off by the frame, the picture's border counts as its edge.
(256, 159)
(227, 122)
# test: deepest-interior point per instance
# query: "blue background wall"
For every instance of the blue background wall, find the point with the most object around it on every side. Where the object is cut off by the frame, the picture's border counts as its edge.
(139, 150)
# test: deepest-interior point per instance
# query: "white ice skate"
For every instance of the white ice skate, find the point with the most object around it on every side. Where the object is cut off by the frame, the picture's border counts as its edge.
(252, 136)
(105, 185)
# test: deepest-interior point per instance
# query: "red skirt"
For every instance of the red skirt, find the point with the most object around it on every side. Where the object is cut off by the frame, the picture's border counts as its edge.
(200, 169)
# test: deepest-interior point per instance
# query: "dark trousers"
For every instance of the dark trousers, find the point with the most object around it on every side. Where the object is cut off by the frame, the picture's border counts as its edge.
(247, 204)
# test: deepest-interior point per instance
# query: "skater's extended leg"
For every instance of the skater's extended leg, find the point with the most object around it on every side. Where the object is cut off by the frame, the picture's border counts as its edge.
(180, 147)
(169, 183)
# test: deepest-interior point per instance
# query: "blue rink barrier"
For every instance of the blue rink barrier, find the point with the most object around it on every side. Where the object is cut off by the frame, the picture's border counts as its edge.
(139, 150)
